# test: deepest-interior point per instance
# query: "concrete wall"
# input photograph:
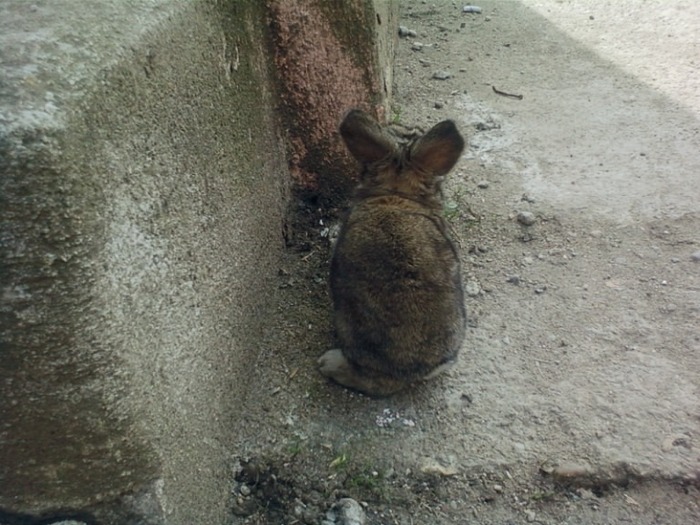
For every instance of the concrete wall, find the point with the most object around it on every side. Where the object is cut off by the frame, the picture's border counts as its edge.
(330, 57)
(144, 189)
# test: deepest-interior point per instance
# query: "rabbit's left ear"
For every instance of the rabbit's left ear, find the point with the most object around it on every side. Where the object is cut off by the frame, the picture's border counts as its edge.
(365, 138)
(438, 150)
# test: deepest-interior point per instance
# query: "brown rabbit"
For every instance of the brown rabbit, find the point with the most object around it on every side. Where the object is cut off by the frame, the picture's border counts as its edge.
(395, 279)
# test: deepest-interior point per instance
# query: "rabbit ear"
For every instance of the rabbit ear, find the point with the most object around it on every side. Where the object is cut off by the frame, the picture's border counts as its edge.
(438, 150)
(365, 138)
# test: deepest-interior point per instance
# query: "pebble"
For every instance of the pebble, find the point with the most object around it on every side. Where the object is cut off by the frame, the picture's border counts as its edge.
(526, 218)
(540, 290)
(530, 515)
(483, 184)
(404, 32)
(513, 279)
(346, 511)
(416, 46)
(471, 9)
(439, 470)
(472, 288)
(696, 256)
(441, 75)
(439, 105)
(568, 471)
(244, 490)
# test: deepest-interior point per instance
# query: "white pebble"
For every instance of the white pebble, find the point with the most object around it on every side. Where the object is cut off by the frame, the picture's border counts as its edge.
(472, 288)
(441, 75)
(526, 218)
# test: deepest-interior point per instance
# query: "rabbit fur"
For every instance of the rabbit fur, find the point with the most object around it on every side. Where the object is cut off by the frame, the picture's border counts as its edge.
(395, 274)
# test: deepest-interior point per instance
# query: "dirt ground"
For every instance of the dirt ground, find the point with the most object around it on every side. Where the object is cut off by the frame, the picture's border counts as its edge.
(577, 396)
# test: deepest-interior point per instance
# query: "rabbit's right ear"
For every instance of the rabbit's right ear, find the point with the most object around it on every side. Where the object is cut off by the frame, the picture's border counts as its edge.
(438, 151)
(365, 138)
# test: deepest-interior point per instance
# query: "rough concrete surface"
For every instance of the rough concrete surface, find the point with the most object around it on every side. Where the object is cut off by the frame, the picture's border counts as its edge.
(576, 397)
(330, 57)
(143, 197)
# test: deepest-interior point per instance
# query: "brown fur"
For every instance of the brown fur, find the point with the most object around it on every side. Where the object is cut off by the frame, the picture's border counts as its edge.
(395, 277)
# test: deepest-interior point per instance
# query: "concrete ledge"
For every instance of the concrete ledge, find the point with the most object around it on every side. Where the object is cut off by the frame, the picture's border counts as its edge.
(142, 200)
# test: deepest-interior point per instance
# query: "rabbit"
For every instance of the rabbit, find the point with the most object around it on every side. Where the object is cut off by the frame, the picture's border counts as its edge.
(395, 283)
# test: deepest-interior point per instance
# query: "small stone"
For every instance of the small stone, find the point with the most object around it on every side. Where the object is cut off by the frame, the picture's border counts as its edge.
(483, 184)
(695, 256)
(244, 490)
(347, 511)
(568, 471)
(540, 290)
(472, 288)
(435, 469)
(530, 515)
(243, 506)
(498, 488)
(526, 218)
(675, 260)
(403, 31)
(439, 105)
(441, 75)
(513, 279)
(473, 9)
(417, 46)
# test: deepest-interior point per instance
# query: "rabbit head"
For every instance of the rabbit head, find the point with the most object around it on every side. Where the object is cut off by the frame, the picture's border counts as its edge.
(414, 169)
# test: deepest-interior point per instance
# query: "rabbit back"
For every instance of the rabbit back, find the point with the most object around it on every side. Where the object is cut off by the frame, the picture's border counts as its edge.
(396, 289)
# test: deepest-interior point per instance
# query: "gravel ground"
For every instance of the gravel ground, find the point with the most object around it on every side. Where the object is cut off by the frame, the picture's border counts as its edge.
(577, 396)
